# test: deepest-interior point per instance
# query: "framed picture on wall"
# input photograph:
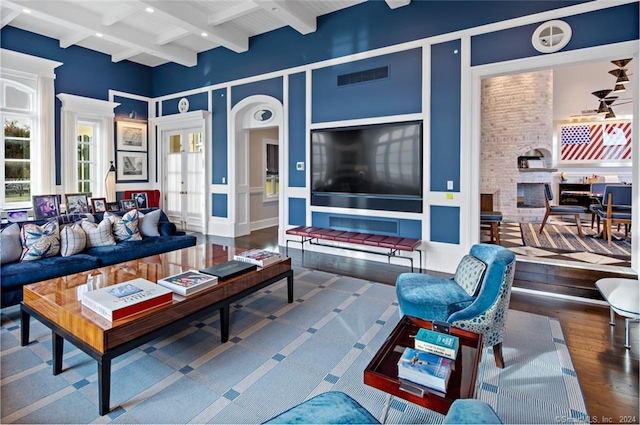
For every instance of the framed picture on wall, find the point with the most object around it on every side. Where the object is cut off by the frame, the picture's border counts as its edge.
(131, 166)
(597, 142)
(131, 136)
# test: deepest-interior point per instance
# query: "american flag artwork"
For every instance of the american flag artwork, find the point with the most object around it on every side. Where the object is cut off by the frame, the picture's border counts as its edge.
(609, 141)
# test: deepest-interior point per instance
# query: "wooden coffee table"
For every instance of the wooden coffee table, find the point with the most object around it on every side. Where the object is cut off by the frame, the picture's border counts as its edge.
(56, 304)
(382, 371)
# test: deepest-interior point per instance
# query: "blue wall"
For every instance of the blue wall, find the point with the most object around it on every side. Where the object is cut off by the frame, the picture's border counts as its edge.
(297, 129)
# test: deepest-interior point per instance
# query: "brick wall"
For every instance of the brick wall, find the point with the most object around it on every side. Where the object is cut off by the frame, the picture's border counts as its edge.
(517, 116)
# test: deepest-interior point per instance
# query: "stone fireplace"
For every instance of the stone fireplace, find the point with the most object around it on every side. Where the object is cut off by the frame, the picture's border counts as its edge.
(516, 143)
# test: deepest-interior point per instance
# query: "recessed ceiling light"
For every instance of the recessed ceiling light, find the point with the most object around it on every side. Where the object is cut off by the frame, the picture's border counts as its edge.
(98, 34)
(26, 10)
(204, 34)
(150, 10)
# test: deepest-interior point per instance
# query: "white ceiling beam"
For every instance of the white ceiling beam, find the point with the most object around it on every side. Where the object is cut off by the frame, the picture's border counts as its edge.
(291, 14)
(232, 13)
(80, 20)
(73, 38)
(394, 4)
(124, 54)
(169, 36)
(6, 19)
(117, 14)
(191, 20)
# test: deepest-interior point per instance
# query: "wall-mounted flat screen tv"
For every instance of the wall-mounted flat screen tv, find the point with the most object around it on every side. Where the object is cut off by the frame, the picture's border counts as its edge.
(380, 159)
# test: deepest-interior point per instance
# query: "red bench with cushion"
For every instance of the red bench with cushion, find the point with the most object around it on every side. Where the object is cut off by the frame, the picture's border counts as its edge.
(394, 244)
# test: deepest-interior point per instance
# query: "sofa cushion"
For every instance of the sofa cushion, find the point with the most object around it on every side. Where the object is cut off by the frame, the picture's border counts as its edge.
(125, 228)
(148, 223)
(40, 241)
(10, 245)
(98, 234)
(16, 275)
(130, 250)
(469, 274)
(73, 240)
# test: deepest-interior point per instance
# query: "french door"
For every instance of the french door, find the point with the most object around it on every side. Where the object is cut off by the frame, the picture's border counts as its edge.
(184, 177)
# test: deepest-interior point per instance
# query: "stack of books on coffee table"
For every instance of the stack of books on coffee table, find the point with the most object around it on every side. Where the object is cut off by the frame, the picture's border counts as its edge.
(259, 257)
(188, 283)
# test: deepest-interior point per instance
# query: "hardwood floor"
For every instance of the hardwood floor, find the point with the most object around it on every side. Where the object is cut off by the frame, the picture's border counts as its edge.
(608, 373)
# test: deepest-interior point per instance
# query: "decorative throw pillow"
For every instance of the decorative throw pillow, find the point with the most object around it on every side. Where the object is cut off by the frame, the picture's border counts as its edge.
(125, 228)
(469, 274)
(72, 240)
(148, 223)
(98, 234)
(40, 241)
(10, 245)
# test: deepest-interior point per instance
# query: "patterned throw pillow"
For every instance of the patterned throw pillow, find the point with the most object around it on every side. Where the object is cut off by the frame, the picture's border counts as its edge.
(10, 245)
(40, 241)
(125, 228)
(72, 239)
(469, 274)
(98, 234)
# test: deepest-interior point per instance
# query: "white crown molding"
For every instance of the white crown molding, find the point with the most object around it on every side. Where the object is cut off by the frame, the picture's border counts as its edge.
(86, 105)
(28, 64)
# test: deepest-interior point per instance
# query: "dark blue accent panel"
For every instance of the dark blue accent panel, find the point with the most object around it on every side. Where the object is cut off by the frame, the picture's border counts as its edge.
(445, 224)
(445, 115)
(621, 25)
(297, 211)
(297, 129)
(128, 105)
(219, 151)
(219, 205)
(366, 26)
(398, 94)
(272, 87)
(197, 102)
(367, 202)
(404, 228)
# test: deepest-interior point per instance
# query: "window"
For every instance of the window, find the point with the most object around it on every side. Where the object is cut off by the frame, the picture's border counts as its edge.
(272, 170)
(18, 116)
(87, 132)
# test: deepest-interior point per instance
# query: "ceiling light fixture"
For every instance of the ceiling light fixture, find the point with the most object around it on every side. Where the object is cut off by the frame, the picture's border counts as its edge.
(619, 88)
(274, 9)
(28, 11)
(621, 75)
(149, 10)
(98, 34)
(204, 34)
(601, 94)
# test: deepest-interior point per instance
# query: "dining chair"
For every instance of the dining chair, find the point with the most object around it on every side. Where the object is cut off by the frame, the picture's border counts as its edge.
(616, 208)
(597, 192)
(574, 210)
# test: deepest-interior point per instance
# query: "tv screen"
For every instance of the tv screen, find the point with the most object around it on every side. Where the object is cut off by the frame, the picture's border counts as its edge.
(381, 159)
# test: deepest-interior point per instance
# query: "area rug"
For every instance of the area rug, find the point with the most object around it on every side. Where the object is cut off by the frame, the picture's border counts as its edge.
(278, 355)
(566, 238)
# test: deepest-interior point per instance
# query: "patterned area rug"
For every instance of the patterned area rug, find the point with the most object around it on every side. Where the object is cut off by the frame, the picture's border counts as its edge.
(278, 355)
(566, 238)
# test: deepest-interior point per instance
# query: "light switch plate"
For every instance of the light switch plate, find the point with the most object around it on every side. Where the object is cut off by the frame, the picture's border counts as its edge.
(449, 184)
(300, 166)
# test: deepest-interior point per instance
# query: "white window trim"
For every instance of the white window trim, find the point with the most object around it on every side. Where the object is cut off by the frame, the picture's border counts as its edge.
(76, 109)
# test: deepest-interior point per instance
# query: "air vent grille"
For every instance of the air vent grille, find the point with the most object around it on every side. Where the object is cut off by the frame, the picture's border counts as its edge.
(364, 225)
(362, 76)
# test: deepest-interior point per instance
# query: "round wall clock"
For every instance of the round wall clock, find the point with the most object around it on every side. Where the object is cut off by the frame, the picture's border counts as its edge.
(183, 105)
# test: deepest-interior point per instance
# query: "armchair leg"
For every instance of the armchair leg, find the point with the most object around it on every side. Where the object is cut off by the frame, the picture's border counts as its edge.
(579, 225)
(544, 221)
(497, 355)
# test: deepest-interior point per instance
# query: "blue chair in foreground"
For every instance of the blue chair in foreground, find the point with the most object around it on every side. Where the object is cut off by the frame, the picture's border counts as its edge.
(476, 298)
(336, 407)
(616, 208)
(574, 210)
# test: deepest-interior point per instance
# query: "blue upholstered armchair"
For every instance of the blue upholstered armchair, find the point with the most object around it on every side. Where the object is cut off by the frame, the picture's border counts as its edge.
(476, 298)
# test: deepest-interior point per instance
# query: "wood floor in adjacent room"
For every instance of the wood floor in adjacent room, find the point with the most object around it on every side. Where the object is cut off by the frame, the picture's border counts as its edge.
(608, 373)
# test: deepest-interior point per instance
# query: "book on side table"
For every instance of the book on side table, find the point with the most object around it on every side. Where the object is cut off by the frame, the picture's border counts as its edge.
(259, 257)
(229, 269)
(188, 283)
(444, 345)
(426, 369)
(126, 299)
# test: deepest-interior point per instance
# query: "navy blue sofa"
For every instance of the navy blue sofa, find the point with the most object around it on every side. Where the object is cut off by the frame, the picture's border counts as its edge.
(15, 275)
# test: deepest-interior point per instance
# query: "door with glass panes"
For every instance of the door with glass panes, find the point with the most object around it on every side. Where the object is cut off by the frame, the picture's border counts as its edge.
(184, 178)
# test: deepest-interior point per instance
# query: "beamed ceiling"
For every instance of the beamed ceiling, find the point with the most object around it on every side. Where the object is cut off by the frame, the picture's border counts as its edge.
(155, 32)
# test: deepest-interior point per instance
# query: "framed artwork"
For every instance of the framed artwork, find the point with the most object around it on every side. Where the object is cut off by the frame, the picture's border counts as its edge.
(603, 142)
(17, 216)
(113, 206)
(77, 203)
(45, 206)
(99, 205)
(131, 136)
(132, 166)
(141, 199)
(128, 204)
